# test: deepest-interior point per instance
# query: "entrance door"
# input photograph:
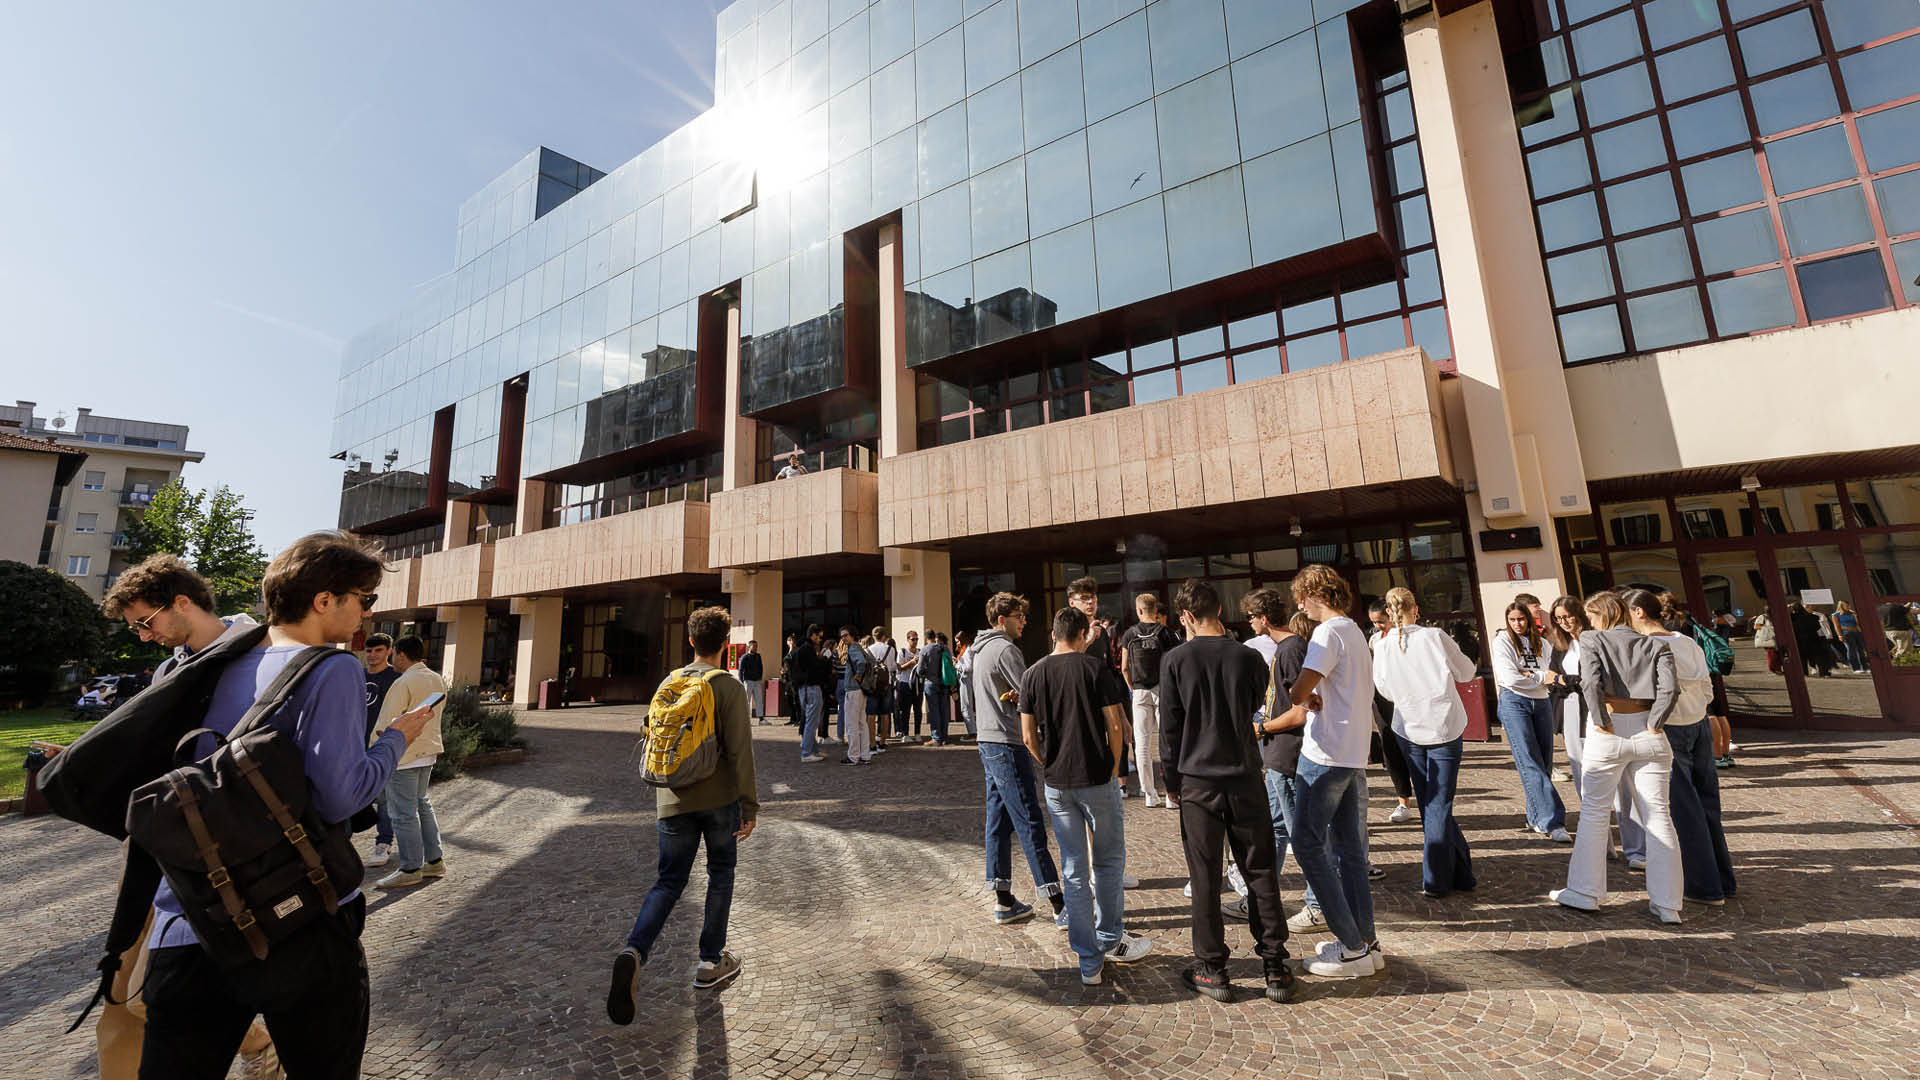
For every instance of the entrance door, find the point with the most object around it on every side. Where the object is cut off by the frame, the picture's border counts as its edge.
(1733, 582)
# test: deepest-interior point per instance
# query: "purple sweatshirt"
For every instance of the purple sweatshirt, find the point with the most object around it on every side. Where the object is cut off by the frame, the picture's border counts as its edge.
(327, 717)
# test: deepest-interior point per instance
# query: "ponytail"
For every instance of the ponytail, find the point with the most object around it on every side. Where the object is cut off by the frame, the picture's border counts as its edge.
(1401, 609)
(1647, 603)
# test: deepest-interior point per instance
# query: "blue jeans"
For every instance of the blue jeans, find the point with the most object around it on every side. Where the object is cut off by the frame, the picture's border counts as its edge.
(1706, 866)
(1282, 800)
(680, 837)
(1093, 909)
(810, 705)
(1445, 863)
(383, 831)
(1012, 809)
(840, 713)
(1330, 840)
(414, 827)
(1856, 643)
(937, 710)
(1527, 724)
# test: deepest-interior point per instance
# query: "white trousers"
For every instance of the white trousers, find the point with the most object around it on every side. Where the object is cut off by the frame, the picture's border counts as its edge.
(1146, 740)
(1633, 839)
(1640, 761)
(858, 746)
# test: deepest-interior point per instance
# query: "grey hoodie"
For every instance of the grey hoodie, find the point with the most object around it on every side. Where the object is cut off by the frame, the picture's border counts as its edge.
(997, 667)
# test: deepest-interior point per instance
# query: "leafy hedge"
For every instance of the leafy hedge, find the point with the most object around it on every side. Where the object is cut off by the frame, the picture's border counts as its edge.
(469, 727)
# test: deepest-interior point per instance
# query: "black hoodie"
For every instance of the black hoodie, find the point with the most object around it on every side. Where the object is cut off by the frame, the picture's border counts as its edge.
(1209, 690)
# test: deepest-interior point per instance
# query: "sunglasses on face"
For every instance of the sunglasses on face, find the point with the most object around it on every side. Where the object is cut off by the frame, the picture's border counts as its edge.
(145, 626)
(367, 599)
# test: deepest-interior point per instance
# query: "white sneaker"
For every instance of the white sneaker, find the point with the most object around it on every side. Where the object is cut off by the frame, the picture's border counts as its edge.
(1665, 915)
(399, 879)
(1152, 802)
(715, 973)
(1575, 900)
(1561, 836)
(1637, 862)
(1401, 814)
(1128, 881)
(808, 758)
(1187, 889)
(382, 855)
(1332, 950)
(1093, 979)
(1129, 948)
(1307, 918)
(1341, 964)
(1235, 880)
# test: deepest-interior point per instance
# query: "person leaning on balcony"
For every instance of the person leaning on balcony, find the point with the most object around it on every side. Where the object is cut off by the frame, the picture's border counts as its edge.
(793, 467)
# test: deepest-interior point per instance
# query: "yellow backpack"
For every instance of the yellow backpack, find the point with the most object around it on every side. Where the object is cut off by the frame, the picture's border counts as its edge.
(682, 743)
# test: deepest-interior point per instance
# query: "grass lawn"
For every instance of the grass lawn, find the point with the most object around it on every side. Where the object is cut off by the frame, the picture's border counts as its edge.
(18, 729)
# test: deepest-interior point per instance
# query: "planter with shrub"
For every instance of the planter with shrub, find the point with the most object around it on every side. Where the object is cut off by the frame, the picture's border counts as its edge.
(473, 733)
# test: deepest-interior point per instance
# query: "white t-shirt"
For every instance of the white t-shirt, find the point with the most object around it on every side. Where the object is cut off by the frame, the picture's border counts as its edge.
(1339, 734)
(1416, 668)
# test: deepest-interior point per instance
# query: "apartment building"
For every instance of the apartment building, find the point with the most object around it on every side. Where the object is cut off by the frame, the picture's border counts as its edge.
(126, 462)
(1472, 296)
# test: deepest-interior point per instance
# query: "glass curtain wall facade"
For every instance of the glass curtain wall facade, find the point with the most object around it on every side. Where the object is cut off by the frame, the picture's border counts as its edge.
(1047, 160)
(1705, 169)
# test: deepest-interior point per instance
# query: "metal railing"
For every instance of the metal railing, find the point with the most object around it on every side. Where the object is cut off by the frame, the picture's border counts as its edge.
(136, 498)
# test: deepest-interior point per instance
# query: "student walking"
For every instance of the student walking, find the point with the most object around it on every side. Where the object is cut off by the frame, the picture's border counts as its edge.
(1332, 703)
(1526, 719)
(718, 810)
(1013, 809)
(1071, 722)
(1418, 668)
(1628, 682)
(1142, 649)
(1213, 769)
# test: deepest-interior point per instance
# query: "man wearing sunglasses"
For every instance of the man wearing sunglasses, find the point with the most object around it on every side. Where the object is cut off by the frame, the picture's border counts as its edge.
(163, 601)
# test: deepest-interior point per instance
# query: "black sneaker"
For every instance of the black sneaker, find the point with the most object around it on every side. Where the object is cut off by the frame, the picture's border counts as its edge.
(1211, 981)
(1279, 980)
(848, 761)
(620, 1005)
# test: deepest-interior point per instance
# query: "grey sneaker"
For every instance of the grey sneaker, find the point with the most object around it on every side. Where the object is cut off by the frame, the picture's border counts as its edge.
(1235, 910)
(620, 1004)
(1560, 836)
(382, 855)
(1307, 918)
(712, 974)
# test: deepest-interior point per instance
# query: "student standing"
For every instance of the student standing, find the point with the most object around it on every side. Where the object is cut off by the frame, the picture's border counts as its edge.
(1012, 806)
(853, 700)
(1212, 686)
(1695, 790)
(881, 707)
(906, 688)
(1332, 702)
(719, 811)
(753, 677)
(1390, 754)
(1566, 623)
(1142, 650)
(414, 824)
(1071, 722)
(1526, 719)
(1628, 682)
(1418, 668)
(812, 674)
(380, 676)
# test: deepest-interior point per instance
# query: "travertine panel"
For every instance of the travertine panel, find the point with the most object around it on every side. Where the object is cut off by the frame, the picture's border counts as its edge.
(399, 587)
(456, 576)
(823, 513)
(658, 541)
(1368, 421)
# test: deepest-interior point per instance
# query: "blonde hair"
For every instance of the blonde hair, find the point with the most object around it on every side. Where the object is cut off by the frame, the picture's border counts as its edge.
(1323, 583)
(1606, 609)
(1301, 623)
(1402, 610)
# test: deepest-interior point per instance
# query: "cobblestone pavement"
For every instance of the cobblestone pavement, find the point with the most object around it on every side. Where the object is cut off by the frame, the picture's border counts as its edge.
(863, 921)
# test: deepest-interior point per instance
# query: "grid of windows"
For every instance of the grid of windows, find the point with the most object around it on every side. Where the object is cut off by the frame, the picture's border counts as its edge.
(1705, 169)
(1155, 364)
(692, 478)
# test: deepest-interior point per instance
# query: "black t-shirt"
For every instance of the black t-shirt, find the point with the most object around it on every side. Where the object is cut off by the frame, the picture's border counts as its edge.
(1281, 752)
(1209, 690)
(377, 684)
(1065, 693)
(1146, 645)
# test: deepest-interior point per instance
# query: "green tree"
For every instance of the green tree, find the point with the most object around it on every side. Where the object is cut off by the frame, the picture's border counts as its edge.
(51, 623)
(167, 525)
(226, 554)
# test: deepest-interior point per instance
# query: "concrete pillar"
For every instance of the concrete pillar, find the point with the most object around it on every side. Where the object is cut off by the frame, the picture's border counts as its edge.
(1525, 456)
(757, 607)
(466, 641)
(458, 531)
(530, 507)
(920, 590)
(899, 430)
(538, 655)
(740, 450)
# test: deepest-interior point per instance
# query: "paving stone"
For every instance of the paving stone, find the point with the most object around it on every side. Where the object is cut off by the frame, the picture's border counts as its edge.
(863, 920)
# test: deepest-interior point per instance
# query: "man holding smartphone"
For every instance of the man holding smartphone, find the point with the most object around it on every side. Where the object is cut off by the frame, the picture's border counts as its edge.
(415, 830)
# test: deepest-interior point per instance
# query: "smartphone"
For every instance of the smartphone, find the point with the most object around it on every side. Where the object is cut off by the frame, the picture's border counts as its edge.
(433, 701)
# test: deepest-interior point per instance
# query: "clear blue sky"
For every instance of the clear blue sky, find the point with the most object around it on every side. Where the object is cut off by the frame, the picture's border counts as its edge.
(200, 203)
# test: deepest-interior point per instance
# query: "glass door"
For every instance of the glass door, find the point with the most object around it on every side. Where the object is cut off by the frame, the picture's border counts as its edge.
(1828, 631)
(1733, 590)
